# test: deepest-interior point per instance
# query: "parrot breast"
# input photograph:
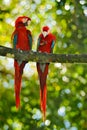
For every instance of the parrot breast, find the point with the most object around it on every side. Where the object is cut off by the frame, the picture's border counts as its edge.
(45, 43)
(23, 41)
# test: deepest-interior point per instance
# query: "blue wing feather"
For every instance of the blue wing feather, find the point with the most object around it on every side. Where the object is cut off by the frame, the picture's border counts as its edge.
(15, 40)
(52, 46)
(30, 40)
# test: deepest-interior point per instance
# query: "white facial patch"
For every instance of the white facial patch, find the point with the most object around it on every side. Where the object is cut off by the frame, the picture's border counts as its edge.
(45, 33)
(24, 20)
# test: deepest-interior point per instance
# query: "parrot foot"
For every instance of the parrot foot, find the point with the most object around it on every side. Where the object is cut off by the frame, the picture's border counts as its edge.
(19, 50)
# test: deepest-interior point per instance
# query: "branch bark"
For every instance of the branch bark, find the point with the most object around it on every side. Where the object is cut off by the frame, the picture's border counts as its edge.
(42, 57)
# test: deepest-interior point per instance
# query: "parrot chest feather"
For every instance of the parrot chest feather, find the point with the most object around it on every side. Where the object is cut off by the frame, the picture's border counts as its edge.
(42, 66)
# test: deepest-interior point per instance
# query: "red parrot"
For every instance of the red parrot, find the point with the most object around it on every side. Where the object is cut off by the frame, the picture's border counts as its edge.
(22, 40)
(45, 44)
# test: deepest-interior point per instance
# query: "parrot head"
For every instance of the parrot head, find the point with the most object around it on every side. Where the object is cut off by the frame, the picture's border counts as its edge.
(22, 20)
(45, 31)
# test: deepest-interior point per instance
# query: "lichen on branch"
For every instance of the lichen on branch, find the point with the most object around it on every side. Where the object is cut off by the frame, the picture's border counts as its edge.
(42, 57)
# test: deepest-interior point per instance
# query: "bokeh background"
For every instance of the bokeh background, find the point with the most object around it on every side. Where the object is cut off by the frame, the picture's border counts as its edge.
(67, 83)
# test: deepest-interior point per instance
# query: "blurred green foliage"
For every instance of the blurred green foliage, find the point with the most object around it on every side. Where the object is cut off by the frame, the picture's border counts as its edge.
(67, 83)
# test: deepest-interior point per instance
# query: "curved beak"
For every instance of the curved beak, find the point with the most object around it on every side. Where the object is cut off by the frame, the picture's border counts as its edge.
(28, 22)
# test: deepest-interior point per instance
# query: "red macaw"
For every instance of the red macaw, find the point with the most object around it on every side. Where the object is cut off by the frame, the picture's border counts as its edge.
(22, 40)
(45, 44)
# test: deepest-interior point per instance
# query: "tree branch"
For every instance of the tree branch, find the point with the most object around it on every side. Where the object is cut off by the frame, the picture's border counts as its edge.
(42, 57)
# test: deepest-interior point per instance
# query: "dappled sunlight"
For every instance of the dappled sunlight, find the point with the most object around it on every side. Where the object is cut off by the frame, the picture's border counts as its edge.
(30, 69)
(36, 114)
(82, 2)
(7, 2)
(61, 111)
(85, 11)
(66, 83)
(67, 7)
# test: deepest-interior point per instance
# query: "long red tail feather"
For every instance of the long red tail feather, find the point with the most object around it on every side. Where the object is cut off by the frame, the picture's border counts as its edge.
(43, 93)
(17, 88)
(43, 88)
(18, 78)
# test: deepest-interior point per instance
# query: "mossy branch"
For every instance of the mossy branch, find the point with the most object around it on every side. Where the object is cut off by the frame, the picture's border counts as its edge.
(42, 57)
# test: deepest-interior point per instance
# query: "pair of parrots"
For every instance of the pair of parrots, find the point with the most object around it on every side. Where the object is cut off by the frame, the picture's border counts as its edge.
(22, 40)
